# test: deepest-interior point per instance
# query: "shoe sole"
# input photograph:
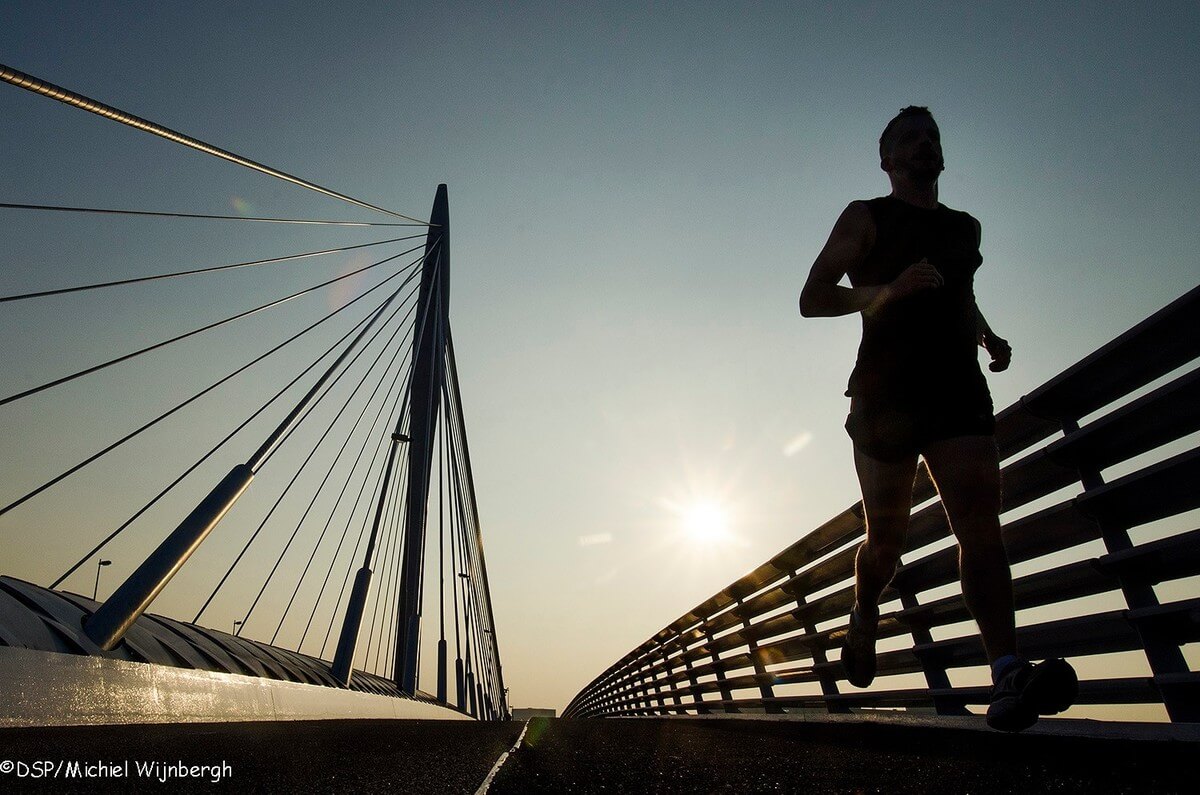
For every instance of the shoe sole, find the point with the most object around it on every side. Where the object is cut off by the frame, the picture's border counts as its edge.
(1052, 688)
(857, 675)
(1011, 715)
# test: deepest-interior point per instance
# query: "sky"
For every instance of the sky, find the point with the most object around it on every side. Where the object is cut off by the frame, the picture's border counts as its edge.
(636, 191)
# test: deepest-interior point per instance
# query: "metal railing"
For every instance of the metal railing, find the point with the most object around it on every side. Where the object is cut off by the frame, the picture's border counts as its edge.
(762, 644)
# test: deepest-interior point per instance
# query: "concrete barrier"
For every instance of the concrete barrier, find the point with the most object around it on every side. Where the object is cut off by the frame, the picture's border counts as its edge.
(53, 689)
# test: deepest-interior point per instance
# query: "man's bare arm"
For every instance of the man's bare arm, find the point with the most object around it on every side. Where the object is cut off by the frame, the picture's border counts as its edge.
(996, 346)
(848, 245)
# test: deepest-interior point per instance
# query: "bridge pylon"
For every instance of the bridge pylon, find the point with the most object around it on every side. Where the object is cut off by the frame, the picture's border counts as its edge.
(425, 399)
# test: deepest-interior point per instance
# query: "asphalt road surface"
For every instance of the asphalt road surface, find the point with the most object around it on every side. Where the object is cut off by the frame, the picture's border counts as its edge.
(565, 756)
(743, 756)
(345, 756)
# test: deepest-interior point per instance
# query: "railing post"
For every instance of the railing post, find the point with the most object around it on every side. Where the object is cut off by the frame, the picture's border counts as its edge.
(658, 688)
(650, 683)
(637, 693)
(935, 674)
(697, 697)
(719, 670)
(670, 663)
(635, 697)
(760, 672)
(1163, 654)
(828, 680)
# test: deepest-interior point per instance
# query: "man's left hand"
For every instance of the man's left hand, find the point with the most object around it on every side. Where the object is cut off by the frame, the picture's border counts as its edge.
(999, 350)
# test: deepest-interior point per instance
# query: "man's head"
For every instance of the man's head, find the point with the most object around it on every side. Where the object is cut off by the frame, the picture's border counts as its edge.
(911, 145)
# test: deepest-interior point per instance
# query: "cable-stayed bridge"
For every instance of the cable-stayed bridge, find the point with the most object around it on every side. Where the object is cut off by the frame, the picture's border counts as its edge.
(388, 526)
(350, 581)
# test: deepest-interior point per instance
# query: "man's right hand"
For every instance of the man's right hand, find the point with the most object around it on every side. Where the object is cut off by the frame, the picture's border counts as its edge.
(917, 277)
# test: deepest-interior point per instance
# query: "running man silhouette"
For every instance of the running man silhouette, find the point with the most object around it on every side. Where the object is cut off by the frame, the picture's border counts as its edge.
(917, 389)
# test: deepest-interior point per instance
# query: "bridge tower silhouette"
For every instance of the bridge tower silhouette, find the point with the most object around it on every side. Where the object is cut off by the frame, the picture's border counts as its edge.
(423, 488)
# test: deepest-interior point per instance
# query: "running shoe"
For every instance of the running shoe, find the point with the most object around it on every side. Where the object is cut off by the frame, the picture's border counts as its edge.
(1025, 691)
(858, 651)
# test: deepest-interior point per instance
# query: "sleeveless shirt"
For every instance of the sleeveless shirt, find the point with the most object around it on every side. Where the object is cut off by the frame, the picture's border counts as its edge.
(922, 347)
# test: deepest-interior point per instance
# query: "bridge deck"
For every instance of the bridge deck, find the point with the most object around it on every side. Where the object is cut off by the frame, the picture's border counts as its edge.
(627, 755)
(706, 755)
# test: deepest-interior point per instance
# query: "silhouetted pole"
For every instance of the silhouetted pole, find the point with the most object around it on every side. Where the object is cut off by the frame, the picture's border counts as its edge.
(343, 660)
(429, 345)
(113, 619)
(460, 684)
(460, 681)
(441, 680)
(96, 589)
(489, 620)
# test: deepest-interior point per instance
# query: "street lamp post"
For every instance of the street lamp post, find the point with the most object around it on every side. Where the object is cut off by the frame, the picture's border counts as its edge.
(96, 588)
(236, 624)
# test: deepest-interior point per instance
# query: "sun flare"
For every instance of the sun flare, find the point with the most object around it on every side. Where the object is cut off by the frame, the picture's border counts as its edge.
(706, 523)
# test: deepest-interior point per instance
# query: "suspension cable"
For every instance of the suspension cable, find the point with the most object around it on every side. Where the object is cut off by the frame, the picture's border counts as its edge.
(329, 473)
(296, 531)
(193, 332)
(484, 592)
(406, 393)
(390, 568)
(398, 521)
(454, 571)
(385, 565)
(212, 451)
(362, 534)
(201, 216)
(250, 264)
(200, 394)
(388, 626)
(328, 388)
(442, 483)
(30, 83)
(345, 532)
(325, 529)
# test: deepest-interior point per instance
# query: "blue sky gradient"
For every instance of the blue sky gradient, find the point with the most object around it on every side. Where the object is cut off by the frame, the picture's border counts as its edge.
(637, 192)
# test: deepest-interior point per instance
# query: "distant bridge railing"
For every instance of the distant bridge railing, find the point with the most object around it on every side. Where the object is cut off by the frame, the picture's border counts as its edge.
(762, 644)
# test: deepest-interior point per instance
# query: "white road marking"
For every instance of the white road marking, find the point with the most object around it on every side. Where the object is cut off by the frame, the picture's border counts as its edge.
(487, 782)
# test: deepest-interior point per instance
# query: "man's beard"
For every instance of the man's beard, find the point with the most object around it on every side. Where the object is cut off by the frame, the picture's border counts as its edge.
(926, 170)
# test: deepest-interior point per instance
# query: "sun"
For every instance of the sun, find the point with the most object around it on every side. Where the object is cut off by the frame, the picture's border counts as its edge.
(706, 523)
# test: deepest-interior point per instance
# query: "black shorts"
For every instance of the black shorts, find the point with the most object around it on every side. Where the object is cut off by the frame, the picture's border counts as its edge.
(890, 432)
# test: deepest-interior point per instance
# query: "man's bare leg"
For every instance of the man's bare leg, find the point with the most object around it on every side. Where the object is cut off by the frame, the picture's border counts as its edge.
(966, 471)
(887, 500)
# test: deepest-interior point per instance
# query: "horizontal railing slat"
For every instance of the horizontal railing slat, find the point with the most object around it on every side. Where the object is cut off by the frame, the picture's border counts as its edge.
(761, 632)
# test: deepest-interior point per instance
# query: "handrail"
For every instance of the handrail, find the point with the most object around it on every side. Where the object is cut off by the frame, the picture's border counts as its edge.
(757, 645)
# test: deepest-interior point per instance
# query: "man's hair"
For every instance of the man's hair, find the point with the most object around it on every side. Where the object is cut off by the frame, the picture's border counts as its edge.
(888, 139)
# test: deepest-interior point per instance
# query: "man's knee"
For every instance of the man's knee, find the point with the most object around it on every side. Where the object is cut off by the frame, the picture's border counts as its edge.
(980, 527)
(982, 542)
(884, 547)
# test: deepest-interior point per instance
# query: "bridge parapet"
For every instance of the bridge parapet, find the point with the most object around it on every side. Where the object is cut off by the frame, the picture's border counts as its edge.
(760, 644)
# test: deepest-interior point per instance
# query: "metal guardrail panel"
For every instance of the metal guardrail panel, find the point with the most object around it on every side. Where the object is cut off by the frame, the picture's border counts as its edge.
(735, 649)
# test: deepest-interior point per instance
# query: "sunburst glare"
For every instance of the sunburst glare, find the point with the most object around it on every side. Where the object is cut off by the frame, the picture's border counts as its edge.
(705, 523)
